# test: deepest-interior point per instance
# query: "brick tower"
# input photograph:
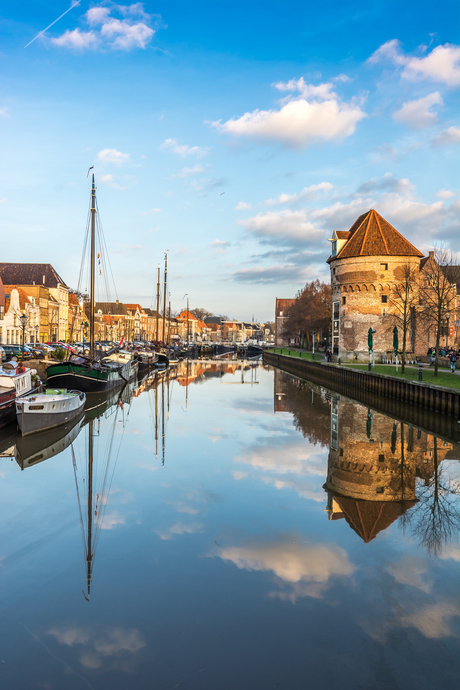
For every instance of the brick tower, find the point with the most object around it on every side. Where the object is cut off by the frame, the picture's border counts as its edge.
(366, 261)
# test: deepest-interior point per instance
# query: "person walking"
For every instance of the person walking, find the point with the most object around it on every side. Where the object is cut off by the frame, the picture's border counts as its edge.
(453, 361)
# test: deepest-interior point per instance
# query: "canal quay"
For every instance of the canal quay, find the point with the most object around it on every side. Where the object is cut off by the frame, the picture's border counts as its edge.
(227, 525)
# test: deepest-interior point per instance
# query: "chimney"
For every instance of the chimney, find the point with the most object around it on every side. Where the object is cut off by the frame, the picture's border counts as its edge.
(43, 280)
(431, 255)
(117, 301)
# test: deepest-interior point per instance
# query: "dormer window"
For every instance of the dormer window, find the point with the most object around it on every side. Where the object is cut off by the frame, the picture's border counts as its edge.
(334, 248)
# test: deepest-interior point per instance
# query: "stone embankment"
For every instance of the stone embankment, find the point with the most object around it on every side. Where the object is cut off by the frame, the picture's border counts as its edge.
(434, 398)
(40, 365)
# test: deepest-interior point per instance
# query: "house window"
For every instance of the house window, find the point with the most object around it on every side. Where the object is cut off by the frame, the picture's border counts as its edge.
(384, 267)
(281, 313)
(384, 299)
(334, 248)
(333, 271)
(344, 300)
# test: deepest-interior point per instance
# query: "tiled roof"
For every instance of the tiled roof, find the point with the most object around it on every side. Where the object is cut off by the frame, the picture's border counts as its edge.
(342, 234)
(283, 305)
(183, 316)
(372, 235)
(73, 299)
(30, 274)
(111, 308)
(23, 299)
(368, 518)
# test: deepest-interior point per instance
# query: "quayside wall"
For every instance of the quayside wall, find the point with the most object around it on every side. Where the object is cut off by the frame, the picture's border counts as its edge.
(414, 401)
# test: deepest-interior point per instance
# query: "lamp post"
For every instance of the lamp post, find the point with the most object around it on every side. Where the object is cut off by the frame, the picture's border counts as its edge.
(23, 319)
(37, 328)
(85, 326)
(447, 332)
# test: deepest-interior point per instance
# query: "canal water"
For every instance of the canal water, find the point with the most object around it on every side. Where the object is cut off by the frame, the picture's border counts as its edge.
(229, 527)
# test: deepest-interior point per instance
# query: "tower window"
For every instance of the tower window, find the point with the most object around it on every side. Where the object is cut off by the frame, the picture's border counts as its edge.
(384, 299)
(384, 267)
(334, 248)
(344, 300)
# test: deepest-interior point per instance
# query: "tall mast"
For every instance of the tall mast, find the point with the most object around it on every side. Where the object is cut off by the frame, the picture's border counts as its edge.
(163, 418)
(89, 555)
(93, 262)
(158, 303)
(188, 329)
(169, 319)
(164, 297)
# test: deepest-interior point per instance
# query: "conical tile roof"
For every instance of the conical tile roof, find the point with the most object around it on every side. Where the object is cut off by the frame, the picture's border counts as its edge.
(368, 518)
(372, 235)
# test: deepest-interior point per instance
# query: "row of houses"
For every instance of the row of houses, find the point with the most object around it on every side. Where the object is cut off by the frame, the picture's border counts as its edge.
(35, 299)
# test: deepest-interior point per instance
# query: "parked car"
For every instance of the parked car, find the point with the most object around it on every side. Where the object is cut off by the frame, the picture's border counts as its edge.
(3, 354)
(36, 351)
(16, 351)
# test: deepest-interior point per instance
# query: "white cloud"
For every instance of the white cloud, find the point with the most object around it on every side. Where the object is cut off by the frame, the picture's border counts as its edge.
(441, 65)
(77, 40)
(307, 194)
(242, 206)
(283, 227)
(108, 31)
(445, 194)
(97, 15)
(111, 521)
(447, 137)
(179, 528)
(125, 35)
(298, 122)
(301, 569)
(239, 475)
(297, 458)
(4, 200)
(187, 172)
(219, 243)
(417, 114)
(105, 179)
(152, 210)
(4, 112)
(433, 621)
(410, 571)
(112, 156)
(387, 183)
(320, 92)
(184, 150)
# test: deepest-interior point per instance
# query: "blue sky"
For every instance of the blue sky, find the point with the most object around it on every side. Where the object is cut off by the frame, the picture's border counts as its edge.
(238, 135)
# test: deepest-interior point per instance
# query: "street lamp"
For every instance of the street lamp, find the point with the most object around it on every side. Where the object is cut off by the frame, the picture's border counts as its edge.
(37, 328)
(85, 326)
(23, 318)
(447, 332)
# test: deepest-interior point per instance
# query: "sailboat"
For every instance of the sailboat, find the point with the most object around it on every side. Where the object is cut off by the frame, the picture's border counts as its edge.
(96, 373)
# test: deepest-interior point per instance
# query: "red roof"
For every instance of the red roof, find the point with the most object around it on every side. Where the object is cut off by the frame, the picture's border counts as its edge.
(283, 305)
(23, 299)
(372, 235)
(183, 316)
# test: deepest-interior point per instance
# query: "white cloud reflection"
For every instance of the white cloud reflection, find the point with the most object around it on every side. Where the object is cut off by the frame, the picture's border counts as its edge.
(301, 570)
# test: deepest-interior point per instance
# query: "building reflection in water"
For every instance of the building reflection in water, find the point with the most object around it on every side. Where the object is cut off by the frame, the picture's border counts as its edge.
(380, 469)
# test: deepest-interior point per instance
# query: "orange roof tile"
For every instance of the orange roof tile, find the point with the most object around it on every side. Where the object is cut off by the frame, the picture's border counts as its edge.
(372, 235)
(23, 299)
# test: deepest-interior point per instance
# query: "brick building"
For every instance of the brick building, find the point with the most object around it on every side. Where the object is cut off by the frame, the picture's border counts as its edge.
(282, 308)
(367, 262)
(373, 466)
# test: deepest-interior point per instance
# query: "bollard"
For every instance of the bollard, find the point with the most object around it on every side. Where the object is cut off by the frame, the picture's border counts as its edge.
(313, 355)
(338, 360)
(369, 367)
(420, 372)
(289, 352)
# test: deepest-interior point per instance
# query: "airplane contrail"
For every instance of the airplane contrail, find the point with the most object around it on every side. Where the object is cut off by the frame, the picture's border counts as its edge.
(74, 4)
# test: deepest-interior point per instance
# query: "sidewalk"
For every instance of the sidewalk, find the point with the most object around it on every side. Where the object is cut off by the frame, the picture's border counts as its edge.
(445, 379)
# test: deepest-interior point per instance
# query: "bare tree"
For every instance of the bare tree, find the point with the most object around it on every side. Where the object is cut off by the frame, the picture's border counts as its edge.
(438, 291)
(311, 311)
(403, 299)
(200, 313)
(435, 519)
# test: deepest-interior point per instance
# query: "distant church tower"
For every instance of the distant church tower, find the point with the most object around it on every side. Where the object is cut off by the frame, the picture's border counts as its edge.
(366, 261)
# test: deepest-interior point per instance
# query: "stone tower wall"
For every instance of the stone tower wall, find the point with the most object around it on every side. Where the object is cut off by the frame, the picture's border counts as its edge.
(358, 284)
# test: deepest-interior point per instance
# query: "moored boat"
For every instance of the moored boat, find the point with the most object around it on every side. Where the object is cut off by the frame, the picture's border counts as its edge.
(47, 410)
(15, 382)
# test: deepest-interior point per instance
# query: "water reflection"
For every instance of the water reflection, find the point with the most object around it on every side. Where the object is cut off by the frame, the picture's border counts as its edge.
(232, 536)
(379, 469)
